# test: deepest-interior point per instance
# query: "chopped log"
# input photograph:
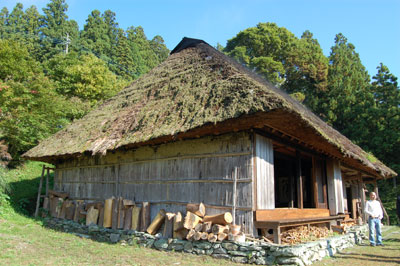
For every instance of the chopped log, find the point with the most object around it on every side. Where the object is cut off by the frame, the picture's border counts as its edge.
(204, 236)
(169, 225)
(268, 240)
(69, 210)
(128, 202)
(95, 204)
(190, 234)
(198, 227)
(198, 209)
(59, 194)
(136, 218)
(145, 216)
(46, 203)
(59, 205)
(128, 218)
(197, 236)
(191, 220)
(156, 223)
(181, 234)
(92, 216)
(61, 215)
(222, 236)
(338, 229)
(115, 215)
(212, 238)
(217, 229)
(207, 227)
(178, 222)
(108, 210)
(78, 208)
(53, 206)
(234, 229)
(101, 215)
(121, 213)
(237, 238)
(79, 213)
(223, 218)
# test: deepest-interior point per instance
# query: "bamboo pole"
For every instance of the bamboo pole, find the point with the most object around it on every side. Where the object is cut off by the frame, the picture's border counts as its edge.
(234, 196)
(39, 193)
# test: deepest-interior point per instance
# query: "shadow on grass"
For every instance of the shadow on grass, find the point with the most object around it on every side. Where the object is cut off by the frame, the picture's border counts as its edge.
(370, 257)
(392, 240)
(24, 194)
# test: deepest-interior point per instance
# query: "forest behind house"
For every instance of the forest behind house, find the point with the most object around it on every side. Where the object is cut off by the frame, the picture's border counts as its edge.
(52, 72)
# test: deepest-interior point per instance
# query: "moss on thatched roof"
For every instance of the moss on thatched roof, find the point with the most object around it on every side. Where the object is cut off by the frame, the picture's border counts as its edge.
(196, 87)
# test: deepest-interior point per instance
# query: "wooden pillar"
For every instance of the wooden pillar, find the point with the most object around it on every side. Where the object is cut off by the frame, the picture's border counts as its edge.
(314, 182)
(299, 181)
(362, 196)
(354, 199)
(335, 187)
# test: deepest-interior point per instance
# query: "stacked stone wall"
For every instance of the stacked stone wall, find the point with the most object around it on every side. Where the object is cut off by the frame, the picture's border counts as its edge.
(249, 252)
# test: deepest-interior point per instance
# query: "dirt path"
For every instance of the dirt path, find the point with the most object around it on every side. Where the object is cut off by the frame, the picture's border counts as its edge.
(365, 255)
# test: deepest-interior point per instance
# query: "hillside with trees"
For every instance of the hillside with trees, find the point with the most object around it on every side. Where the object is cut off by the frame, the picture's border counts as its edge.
(52, 73)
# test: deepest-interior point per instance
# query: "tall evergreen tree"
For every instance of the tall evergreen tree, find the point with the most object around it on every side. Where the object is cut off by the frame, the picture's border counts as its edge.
(56, 27)
(385, 118)
(125, 63)
(347, 98)
(159, 48)
(94, 35)
(4, 14)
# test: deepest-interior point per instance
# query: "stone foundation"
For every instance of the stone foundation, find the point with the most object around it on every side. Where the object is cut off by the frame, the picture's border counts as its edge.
(249, 252)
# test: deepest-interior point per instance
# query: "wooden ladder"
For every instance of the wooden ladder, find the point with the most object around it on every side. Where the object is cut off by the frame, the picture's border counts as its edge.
(47, 170)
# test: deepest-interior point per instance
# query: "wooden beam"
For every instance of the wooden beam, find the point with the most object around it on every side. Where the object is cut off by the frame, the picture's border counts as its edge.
(289, 213)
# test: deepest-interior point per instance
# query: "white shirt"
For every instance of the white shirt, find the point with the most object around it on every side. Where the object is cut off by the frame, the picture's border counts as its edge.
(373, 209)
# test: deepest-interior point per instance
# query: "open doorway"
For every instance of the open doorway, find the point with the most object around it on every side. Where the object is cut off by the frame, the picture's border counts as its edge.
(293, 179)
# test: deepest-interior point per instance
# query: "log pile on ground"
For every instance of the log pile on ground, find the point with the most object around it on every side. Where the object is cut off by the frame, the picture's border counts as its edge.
(301, 234)
(119, 213)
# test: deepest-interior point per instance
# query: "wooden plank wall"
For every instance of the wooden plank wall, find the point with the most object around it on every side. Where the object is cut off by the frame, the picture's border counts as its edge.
(264, 173)
(335, 187)
(170, 175)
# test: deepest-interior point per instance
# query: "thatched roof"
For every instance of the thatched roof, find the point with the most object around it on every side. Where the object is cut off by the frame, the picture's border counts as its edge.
(195, 92)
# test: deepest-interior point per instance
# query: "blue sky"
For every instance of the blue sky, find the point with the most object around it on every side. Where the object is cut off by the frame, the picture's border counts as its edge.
(372, 26)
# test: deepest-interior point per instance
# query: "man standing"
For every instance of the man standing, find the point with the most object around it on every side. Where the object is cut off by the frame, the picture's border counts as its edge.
(375, 213)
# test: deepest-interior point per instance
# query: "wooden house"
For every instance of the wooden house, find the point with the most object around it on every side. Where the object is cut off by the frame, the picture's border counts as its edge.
(183, 133)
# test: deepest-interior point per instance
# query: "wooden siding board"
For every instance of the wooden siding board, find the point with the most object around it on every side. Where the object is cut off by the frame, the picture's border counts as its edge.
(174, 173)
(265, 173)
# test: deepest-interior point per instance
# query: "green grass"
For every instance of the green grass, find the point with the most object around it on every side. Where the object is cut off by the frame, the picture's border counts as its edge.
(24, 183)
(365, 255)
(24, 241)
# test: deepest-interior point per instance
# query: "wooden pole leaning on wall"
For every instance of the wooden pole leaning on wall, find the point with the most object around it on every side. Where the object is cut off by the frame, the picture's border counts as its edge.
(234, 195)
(39, 192)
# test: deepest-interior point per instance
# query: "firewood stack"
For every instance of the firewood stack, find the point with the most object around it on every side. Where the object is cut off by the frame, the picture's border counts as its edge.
(301, 234)
(119, 213)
